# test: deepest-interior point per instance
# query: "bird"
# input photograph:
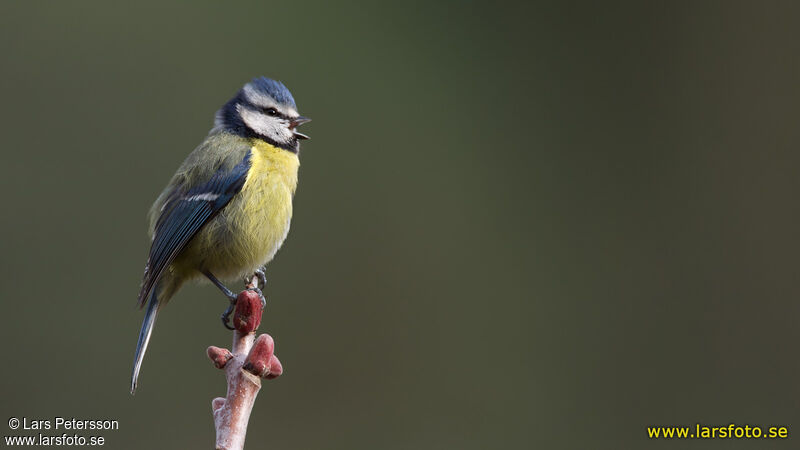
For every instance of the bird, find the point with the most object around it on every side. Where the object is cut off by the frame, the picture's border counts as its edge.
(227, 209)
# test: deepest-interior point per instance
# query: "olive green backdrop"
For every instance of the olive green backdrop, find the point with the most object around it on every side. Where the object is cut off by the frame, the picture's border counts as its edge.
(518, 225)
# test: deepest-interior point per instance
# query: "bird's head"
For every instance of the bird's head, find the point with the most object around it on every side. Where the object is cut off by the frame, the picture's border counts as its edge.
(265, 109)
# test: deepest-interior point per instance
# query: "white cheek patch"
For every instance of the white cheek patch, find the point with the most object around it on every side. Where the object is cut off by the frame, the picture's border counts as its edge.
(271, 127)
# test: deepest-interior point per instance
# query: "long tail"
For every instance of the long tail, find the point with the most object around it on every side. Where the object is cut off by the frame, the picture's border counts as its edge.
(144, 338)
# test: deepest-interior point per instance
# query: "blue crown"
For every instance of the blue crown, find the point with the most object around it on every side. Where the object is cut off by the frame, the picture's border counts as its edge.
(274, 89)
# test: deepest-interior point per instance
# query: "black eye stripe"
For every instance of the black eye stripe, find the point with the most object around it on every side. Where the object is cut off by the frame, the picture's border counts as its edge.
(273, 112)
(265, 110)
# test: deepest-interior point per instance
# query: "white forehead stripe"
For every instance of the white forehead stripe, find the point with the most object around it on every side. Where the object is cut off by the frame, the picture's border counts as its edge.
(207, 197)
(257, 98)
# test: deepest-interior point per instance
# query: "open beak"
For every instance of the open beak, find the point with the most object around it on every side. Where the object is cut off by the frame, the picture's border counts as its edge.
(296, 122)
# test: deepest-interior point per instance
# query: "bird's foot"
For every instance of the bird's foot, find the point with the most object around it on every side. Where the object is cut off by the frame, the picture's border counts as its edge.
(226, 316)
(261, 275)
(260, 295)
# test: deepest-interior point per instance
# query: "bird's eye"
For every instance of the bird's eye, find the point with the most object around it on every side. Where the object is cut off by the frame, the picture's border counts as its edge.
(271, 111)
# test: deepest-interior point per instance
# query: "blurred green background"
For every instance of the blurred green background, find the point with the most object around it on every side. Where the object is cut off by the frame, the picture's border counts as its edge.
(518, 225)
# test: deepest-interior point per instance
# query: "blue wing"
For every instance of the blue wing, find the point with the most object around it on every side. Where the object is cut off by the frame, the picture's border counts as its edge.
(184, 214)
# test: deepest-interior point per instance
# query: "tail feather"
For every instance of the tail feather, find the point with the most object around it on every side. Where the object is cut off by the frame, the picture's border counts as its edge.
(144, 338)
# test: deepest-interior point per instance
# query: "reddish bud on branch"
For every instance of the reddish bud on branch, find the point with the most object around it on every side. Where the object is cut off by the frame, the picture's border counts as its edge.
(261, 360)
(219, 356)
(248, 312)
(275, 368)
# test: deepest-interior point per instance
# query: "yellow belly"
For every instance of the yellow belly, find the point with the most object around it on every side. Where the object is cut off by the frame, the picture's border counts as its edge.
(251, 228)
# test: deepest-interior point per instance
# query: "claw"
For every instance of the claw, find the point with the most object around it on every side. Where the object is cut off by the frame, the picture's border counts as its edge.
(226, 316)
(261, 296)
(262, 277)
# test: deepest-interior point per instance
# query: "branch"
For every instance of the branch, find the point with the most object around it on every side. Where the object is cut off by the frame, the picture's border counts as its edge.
(251, 360)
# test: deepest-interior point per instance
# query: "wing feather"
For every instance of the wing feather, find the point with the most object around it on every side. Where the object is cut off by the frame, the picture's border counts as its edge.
(185, 212)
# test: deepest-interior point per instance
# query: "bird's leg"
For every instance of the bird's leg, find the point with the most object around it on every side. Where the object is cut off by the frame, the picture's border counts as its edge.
(262, 282)
(226, 316)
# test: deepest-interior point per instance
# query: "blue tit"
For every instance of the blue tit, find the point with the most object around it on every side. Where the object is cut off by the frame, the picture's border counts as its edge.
(227, 209)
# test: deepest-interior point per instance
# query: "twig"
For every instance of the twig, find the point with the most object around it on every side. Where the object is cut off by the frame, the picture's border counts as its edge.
(251, 360)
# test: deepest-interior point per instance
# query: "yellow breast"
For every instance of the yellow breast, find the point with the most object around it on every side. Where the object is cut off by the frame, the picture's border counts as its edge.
(251, 228)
